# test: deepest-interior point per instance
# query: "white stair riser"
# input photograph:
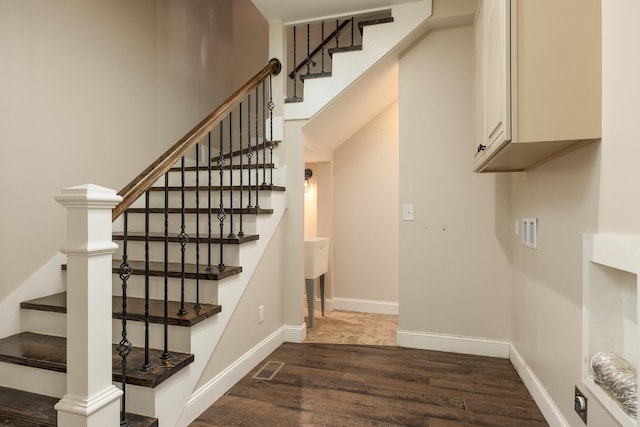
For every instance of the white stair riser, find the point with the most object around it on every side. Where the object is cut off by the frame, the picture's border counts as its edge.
(156, 223)
(239, 199)
(43, 322)
(179, 336)
(34, 380)
(136, 251)
(136, 285)
(248, 177)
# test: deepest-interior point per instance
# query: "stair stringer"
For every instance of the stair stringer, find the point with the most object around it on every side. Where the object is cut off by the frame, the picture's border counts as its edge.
(378, 40)
(167, 401)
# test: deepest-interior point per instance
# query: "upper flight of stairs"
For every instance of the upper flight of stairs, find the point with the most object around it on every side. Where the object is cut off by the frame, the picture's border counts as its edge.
(33, 362)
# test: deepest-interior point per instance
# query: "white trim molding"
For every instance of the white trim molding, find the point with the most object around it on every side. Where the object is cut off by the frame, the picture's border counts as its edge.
(215, 388)
(365, 305)
(546, 404)
(453, 343)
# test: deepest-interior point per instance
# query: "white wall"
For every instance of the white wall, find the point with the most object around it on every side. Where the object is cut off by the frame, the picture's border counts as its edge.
(454, 267)
(365, 212)
(95, 91)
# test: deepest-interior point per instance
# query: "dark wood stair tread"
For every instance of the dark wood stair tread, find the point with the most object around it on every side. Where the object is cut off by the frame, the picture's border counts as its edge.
(192, 271)
(24, 409)
(353, 48)
(57, 303)
(159, 237)
(265, 187)
(315, 75)
(202, 211)
(377, 21)
(50, 352)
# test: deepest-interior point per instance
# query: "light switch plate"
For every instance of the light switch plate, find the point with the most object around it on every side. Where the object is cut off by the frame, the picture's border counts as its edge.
(407, 212)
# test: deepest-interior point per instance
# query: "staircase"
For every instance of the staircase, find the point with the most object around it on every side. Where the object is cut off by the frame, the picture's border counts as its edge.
(195, 226)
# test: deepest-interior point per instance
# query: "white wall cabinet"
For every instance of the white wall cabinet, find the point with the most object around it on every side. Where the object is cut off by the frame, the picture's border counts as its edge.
(537, 81)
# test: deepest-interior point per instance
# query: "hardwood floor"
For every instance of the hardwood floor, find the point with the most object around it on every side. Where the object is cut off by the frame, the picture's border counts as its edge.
(364, 385)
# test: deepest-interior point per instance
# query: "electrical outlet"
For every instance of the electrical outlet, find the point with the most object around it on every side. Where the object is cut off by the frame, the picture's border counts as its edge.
(407, 212)
(580, 405)
(261, 314)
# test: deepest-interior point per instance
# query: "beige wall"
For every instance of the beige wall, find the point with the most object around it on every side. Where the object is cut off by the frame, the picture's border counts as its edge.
(93, 92)
(365, 212)
(547, 282)
(454, 267)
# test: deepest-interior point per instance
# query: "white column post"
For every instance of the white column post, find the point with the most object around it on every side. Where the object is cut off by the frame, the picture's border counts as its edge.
(91, 399)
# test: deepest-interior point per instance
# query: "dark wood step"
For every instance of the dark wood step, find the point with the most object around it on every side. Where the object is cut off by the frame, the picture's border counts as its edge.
(202, 211)
(353, 48)
(224, 188)
(377, 21)
(23, 409)
(261, 146)
(293, 99)
(215, 239)
(57, 303)
(50, 353)
(315, 75)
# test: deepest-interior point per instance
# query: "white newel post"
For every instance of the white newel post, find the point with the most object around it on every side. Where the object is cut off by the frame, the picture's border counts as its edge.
(91, 399)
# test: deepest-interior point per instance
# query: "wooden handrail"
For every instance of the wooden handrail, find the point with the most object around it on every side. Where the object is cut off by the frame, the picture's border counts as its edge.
(160, 166)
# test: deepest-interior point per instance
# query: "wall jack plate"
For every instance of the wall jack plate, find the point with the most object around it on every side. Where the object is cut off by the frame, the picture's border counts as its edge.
(580, 405)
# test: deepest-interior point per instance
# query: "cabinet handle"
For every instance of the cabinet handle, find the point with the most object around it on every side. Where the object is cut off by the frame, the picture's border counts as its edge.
(481, 147)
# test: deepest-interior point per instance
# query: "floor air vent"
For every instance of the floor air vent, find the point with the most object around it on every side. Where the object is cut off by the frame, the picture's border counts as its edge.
(268, 371)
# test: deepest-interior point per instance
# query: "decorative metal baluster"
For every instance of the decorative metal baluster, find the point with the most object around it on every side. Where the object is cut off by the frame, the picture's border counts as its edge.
(124, 347)
(197, 305)
(165, 354)
(337, 35)
(209, 266)
(264, 137)
(232, 235)
(183, 238)
(271, 106)
(257, 206)
(221, 212)
(249, 151)
(322, 44)
(146, 367)
(241, 231)
(309, 61)
(295, 73)
(352, 30)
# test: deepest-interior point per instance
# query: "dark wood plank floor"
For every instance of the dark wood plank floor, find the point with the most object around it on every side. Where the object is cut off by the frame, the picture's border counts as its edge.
(351, 385)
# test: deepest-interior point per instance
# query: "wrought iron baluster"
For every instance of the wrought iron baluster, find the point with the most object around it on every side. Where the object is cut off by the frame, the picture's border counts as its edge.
(232, 234)
(146, 367)
(183, 238)
(257, 206)
(197, 305)
(337, 35)
(322, 44)
(249, 151)
(166, 355)
(221, 212)
(209, 266)
(295, 67)
(309, 61)
(352, 30)
(241, 231)
(271, 106)
(264, 137)
(124, 346)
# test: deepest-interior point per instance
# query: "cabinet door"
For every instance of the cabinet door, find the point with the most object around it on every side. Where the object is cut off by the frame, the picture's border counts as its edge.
(479, 140)
(497, 74)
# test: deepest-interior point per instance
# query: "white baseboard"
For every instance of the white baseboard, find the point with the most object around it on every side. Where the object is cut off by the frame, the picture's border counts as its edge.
(295, 334)
(453, 343)
(547, 406)
(206, 395)
(365, 306)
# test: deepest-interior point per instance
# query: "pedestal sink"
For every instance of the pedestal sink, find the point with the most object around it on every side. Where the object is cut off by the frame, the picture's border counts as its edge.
(316, 264)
